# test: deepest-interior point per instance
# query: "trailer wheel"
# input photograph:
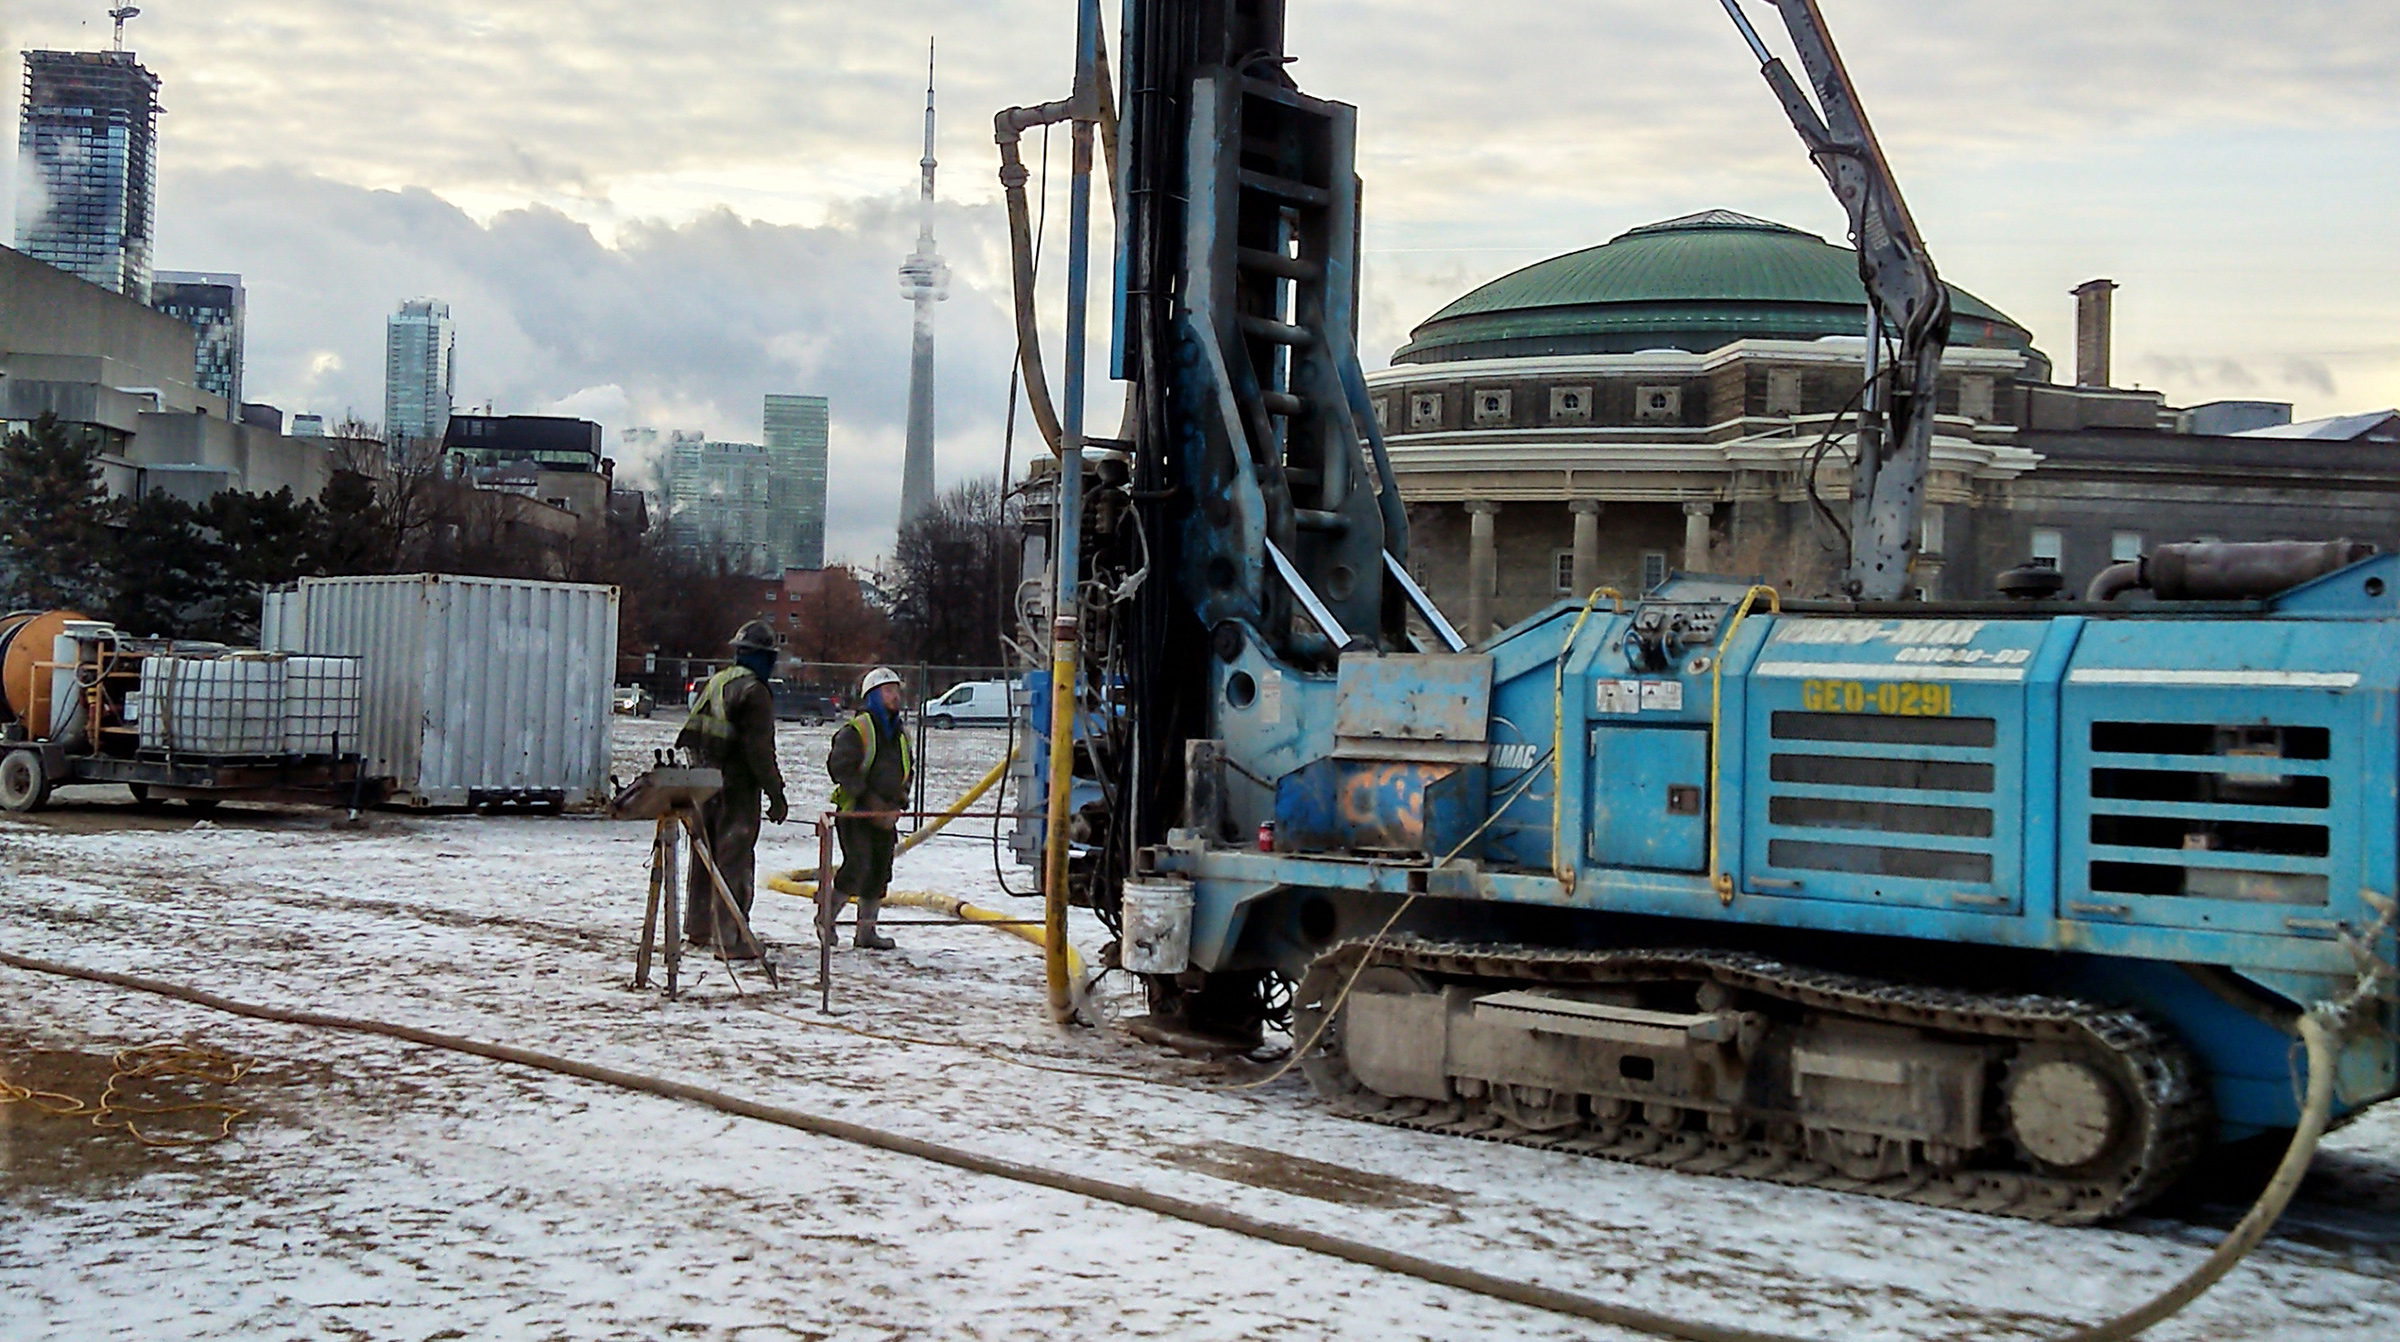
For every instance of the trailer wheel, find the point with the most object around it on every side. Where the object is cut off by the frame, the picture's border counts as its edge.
(144, 798)
(24, 783)
(202, 805)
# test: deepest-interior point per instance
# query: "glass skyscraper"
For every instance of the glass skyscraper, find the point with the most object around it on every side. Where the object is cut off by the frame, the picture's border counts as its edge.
(419, 377)
(212, 305)
(718, 503)
(85, 145)
(796, 444)
(759, 507)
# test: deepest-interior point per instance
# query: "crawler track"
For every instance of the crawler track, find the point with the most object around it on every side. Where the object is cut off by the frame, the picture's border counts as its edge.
(2168, 1126)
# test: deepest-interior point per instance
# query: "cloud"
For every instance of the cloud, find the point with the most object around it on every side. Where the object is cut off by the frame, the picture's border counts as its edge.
(685, 325)
(32, 203)
(2309, 373)
(702, 202)
(2219, 373)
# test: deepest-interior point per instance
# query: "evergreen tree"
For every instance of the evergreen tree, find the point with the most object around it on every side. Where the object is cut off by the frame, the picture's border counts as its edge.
(261, 541)
(170, 573)
(358, 534)
(55, 521)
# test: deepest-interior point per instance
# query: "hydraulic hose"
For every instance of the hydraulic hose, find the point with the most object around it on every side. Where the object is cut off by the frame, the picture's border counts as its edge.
(1099, 1190)
(2318, 1032)
(959, 807)
(798, 885)
(1008, 130)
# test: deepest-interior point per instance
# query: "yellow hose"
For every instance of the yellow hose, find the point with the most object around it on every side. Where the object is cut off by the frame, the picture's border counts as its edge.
(932, 827)
(796, 883)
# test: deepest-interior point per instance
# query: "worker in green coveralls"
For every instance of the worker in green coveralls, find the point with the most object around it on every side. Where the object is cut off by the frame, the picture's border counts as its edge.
(871, 771)
(732, 730)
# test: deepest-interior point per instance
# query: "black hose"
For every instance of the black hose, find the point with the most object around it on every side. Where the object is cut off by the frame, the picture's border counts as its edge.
(2318, 1033)
(1100, 1190)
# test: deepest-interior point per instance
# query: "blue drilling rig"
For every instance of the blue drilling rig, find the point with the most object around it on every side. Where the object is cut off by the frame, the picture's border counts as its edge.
(2012, 905)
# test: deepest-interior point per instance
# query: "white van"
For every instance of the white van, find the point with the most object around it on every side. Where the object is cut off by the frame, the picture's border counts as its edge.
(976, 703)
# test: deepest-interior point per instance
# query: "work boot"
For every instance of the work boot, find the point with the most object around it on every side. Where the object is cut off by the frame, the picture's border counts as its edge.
(829, 908)
(868, 939)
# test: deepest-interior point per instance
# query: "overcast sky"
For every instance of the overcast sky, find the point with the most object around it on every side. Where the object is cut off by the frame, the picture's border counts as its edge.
(653, 214)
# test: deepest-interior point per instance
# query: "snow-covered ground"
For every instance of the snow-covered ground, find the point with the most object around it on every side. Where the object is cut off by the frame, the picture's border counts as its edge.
(384, 1190)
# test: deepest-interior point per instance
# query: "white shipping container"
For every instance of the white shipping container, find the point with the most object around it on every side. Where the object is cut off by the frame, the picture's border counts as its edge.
(476, 689)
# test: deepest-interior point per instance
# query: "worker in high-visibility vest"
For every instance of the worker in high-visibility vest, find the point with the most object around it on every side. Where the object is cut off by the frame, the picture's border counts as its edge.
(871, 771)
(732, 729)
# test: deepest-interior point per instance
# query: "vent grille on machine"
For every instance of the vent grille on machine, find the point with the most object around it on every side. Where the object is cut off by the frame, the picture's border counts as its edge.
(1871, 784)
(2212, 811)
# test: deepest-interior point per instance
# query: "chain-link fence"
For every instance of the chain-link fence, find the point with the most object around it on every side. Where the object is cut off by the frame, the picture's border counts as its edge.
(672, 681)
(822, 692)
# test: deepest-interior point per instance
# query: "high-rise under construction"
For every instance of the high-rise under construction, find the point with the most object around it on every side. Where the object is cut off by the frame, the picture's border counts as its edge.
(86, 144)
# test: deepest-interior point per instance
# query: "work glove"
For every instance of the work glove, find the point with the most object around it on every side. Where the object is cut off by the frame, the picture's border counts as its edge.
(778, 811)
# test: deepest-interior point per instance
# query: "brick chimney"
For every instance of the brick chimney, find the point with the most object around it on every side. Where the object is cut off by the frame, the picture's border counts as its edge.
(2092, 303)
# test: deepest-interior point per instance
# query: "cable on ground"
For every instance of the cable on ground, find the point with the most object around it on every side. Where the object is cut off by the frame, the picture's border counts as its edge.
(2320, 1028)
(165, 1060)
(1124, 1195)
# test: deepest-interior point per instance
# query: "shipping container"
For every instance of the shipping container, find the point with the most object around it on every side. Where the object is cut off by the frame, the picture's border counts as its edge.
(477, 690)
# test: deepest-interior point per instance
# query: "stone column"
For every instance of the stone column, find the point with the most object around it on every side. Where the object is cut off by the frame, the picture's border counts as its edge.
(1927, 571)
(1695, 535)
(1483, 568)
(1587, 545)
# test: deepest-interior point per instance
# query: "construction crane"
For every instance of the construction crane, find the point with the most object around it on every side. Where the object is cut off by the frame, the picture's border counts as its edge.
(2010, 906)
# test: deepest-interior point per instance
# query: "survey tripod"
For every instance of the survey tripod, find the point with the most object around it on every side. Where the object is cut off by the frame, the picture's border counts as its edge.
(671, 795)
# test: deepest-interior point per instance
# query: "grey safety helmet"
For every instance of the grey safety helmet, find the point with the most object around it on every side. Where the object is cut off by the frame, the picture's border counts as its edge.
(754, 637)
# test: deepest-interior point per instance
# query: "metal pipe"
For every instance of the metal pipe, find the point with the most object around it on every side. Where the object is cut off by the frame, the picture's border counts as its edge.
(1416, 597)
(2109, 582)
(1749, 34)
(1067, 554)
(1867, 460)
(2226, 570)
(1318, 614)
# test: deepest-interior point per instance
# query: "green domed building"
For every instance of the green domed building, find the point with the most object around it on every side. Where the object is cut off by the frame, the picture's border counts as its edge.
(1695, 284)
(1659, 403)
(1653, 404)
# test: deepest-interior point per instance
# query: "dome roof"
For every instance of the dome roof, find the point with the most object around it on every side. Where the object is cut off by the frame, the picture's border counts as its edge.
(1693, 283)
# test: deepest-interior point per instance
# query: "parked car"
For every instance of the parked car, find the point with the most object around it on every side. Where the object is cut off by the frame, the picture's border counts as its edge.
(975, 703)
(802, 703)
(634, 701)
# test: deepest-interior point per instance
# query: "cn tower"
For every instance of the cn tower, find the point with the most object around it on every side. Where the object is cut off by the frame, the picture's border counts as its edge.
(924, 281)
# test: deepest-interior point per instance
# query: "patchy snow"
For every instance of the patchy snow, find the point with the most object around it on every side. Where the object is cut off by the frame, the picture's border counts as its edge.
(384, 1190)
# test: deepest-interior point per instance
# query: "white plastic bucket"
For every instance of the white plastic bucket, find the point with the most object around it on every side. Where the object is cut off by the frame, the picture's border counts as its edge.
(1157, 922)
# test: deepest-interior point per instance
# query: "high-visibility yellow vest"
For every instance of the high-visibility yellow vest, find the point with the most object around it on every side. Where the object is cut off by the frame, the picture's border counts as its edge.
(864, 725)
(708, 716)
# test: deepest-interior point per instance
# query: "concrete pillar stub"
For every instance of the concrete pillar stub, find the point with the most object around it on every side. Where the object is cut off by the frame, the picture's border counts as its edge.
(1695, 535)
(1586, 567)
(1483, 568)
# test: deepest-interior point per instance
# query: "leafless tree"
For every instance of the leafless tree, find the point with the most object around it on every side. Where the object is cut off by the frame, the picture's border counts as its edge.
(953, 567)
